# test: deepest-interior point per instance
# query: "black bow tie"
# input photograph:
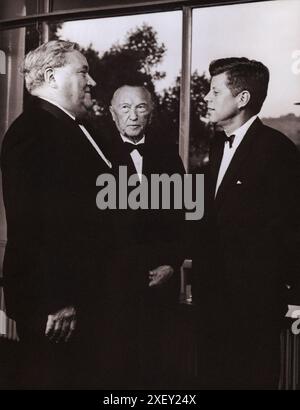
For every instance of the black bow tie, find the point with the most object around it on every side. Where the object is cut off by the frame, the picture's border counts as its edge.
(131, 147)
(229, 139)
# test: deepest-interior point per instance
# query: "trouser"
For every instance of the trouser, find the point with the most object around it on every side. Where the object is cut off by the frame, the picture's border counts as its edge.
(233, 360)
(42, 363)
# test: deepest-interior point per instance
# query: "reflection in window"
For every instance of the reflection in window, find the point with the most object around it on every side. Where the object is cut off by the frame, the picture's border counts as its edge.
(267, 31)
(123, 49)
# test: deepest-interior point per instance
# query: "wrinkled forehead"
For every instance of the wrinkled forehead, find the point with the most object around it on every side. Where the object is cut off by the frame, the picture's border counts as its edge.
(131, 96)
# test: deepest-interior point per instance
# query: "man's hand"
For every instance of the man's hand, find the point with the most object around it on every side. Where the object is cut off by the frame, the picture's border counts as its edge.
(61, 325)
(160, 275)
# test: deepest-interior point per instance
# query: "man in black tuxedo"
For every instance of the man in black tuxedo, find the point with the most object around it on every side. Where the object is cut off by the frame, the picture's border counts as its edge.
(246, 249)
(149, 248)
(58, 241)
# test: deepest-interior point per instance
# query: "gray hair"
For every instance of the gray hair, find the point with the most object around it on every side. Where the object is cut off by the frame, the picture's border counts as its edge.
(49, 55)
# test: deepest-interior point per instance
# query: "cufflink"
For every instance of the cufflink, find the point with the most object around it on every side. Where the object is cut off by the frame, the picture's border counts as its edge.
(239, 182)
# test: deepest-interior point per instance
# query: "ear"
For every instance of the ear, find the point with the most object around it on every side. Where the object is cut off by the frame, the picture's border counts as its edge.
(243, 99)
(112, 113)
(49, 77)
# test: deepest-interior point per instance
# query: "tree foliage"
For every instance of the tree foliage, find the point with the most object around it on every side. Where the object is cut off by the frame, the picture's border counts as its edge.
(135, 60)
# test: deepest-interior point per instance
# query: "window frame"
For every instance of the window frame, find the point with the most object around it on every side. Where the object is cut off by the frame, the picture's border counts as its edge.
(118, 9)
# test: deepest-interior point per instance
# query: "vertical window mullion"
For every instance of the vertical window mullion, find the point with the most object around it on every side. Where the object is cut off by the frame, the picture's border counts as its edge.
(185, 93)
(46, 8)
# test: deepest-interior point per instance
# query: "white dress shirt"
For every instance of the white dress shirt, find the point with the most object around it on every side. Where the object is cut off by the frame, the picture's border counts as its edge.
(228, 152)
(84, 130)
(136, 156)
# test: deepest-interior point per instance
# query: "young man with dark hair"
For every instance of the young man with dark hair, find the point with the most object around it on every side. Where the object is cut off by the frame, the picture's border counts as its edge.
(247, 247)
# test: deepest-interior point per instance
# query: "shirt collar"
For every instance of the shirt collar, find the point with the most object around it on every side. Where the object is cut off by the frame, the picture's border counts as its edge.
(59, 106)
(241, 132)
(126, 139)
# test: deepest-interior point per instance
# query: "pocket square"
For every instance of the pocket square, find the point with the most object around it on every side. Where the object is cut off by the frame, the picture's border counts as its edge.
(239, 182)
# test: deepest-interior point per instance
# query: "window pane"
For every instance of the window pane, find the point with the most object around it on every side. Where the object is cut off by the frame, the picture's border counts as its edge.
(11, 9)
(267, 31)
(20, 8)
(121, 49)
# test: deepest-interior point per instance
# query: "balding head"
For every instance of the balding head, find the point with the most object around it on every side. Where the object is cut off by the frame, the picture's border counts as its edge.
(131, 109)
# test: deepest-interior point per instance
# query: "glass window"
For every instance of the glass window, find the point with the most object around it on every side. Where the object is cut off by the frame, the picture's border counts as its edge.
(11, 9)
(267, 31)
(20, 8)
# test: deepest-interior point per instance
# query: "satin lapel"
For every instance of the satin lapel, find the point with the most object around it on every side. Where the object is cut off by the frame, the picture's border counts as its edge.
(216, 154)
(154, 157)
(68, 122)
(122, 157)
(148, 160)
(71, 124)
(239, 158)
(57, 113)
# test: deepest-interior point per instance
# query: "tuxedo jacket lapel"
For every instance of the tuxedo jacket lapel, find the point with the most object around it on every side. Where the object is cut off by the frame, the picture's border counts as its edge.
(149, 160)
(77, 134)
(123, 158)
(156, 158)
(240, 157)
(216, 154)
(57, 113)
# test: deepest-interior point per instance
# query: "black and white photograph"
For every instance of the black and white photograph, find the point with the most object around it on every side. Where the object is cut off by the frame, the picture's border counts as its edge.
(149, 196)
